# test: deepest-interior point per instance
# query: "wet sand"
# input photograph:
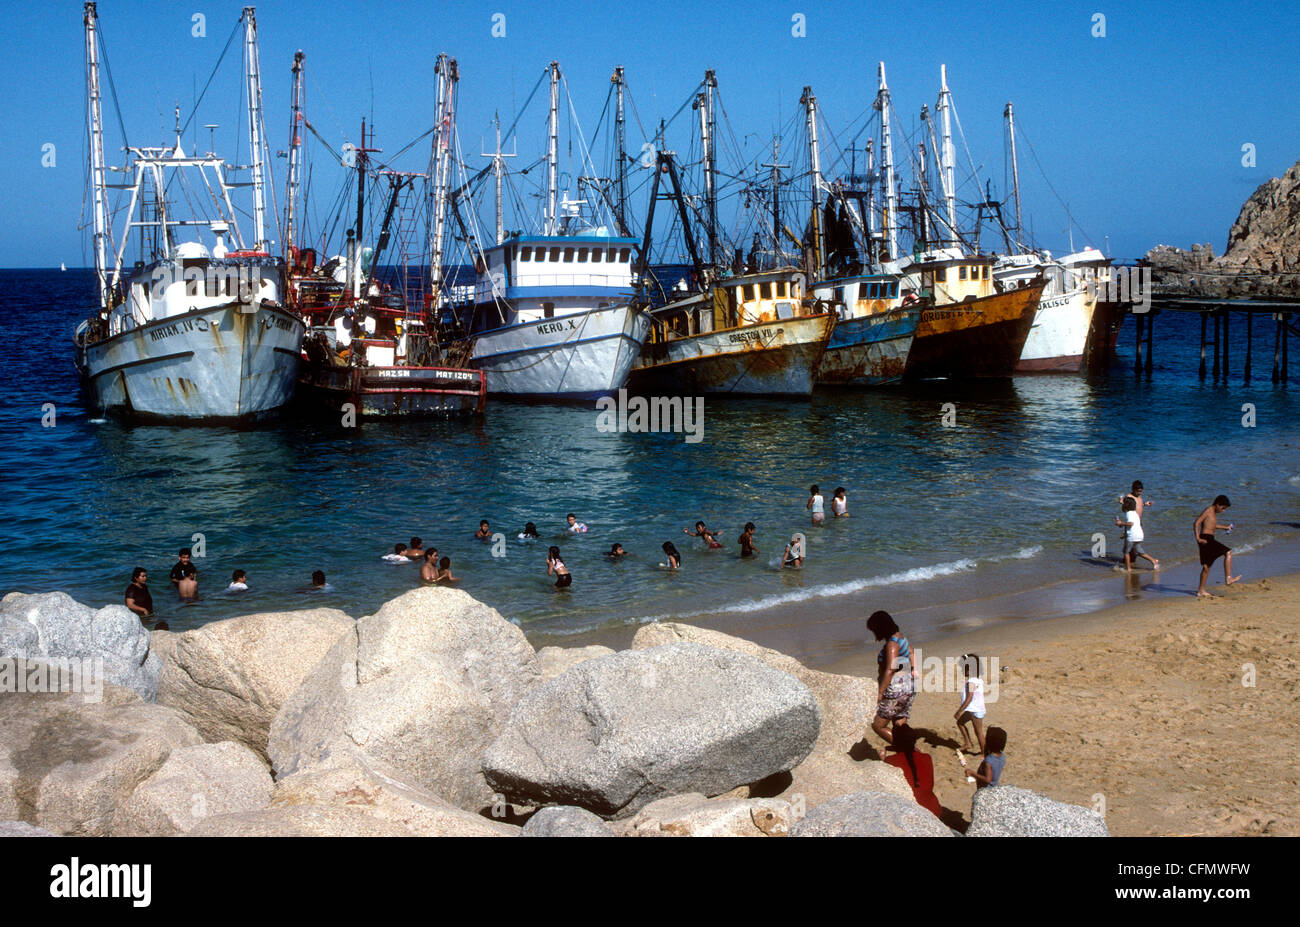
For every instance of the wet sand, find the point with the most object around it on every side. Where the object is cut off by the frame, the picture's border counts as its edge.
(1141, 706)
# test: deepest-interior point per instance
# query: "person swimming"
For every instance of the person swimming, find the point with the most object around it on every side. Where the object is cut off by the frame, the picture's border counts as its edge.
(840, 503)
(416, 550)
(429, 569)
(616, 552)
(444, 572)
(238, 582)
(555, 566)
(701, 531)
(575, 526)
(398, 555)
(529, 533)
(484, 532)
(674, 558)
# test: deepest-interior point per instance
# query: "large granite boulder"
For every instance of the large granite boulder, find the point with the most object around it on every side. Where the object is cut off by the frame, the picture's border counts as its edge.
(552, 661)
(613, 734)
(424, 685)
(694, 815)
(229, 678)
(52, 624)
(565, 821)
(349, 779)
(870, 814)
(23, 829)
(1006, 811)
(847, 704)
(299, 821)
(195, 783)
(67, 765)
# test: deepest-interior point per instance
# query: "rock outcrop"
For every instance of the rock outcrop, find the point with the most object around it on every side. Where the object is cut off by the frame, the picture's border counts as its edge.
(195, 783)
(1007, 811)
(424, 685)
(870, 814)
(694, 815)
(565, 821)
(52, 624)
(229, 678)
(613, 734)
(67, 766)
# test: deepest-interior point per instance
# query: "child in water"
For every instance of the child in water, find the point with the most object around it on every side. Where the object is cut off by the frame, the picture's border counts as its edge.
(238, 582)
(529, 533)
(746, 541)
(398, 555)
(484, 533)
(794, 554)
(554, 565)
(575, 526)
(710, 537)
(840, 503)
(444, 572)
(674, 558)
(616, 552)
(816, 505)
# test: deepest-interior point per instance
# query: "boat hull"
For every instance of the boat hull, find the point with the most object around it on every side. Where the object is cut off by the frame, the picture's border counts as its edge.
(777, 358)
(979, 338)
(1059, 334)
(219, 365)
(869, 350)
(575, 357)
(393, 392)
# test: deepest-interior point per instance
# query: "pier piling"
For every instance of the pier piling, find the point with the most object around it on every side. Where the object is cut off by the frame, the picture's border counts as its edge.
(1202, 345)
(1250, 325)
(1214, 372)
(1226, 316)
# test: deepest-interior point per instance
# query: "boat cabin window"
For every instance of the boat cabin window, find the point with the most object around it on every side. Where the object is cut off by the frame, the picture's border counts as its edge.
(839, 294)
(986, 272)
(941, 275)
(765, 291)
(624, 253)
(597, 254)
(548, 310)
(582, 255)
(555, 254)
(525, 254)
(568, 255)
(961, 272)
(780, 289)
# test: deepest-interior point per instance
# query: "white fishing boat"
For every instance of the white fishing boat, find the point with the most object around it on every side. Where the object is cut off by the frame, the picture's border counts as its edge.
(552, 315)
(1064, 316)
(194, 331)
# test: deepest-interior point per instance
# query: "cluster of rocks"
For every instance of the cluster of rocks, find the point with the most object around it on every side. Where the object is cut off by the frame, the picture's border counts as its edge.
(435, 717)
(1262, 256)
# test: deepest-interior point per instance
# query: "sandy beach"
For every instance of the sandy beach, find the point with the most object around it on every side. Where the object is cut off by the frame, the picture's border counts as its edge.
(1141, 706)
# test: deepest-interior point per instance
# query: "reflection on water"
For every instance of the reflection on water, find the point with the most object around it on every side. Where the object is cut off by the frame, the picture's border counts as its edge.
(1009, 497)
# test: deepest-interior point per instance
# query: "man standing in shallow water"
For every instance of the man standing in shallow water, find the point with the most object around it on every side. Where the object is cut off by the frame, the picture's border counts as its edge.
(1211, 549)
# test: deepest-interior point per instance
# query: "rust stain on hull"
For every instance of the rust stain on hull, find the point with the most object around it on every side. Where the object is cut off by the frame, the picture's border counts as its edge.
(980, 338)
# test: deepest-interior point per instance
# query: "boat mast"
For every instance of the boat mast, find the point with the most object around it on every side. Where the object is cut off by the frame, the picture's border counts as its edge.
(499, 169)
(775, 181)
(1015, 170)
(295, 148)
(255, 129)
(947, 156)
(711, 163)
(552, 151)
(96, 151)
(447, 74)
(887, 163)
(620, 212)
(814, 159)
(871, 201)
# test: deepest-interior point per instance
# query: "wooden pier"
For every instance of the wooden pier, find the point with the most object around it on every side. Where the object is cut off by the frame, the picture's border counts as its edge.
(1217, 314)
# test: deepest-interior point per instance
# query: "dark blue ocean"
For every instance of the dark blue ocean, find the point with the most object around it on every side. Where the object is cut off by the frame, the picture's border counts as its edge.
(950, 526)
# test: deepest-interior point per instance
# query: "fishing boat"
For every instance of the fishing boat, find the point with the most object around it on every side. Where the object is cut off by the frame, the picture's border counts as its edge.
(873, 331)
(1056, 339)
(194, 331)
(755, 334)
(552, 316)
(966, 328)
(371, 350)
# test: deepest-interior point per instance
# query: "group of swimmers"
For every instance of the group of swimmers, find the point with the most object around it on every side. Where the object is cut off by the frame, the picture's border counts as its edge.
(185, 578)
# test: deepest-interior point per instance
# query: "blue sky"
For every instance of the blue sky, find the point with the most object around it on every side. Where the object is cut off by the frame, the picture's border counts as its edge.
(1141, 131)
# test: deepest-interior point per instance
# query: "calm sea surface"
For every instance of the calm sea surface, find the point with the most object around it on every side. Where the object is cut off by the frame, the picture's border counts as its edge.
(943, 518)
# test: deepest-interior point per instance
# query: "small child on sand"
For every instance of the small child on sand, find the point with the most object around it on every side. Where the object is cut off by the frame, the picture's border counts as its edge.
(1133, 536)
(990, 771)
(971, 710)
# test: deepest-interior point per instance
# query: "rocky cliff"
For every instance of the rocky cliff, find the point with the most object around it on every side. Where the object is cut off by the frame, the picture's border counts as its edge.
(1262, 256)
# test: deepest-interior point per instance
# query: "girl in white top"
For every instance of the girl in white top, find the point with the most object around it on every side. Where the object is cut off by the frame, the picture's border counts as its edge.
(971, 710)
(840, 503)
(816, 505)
